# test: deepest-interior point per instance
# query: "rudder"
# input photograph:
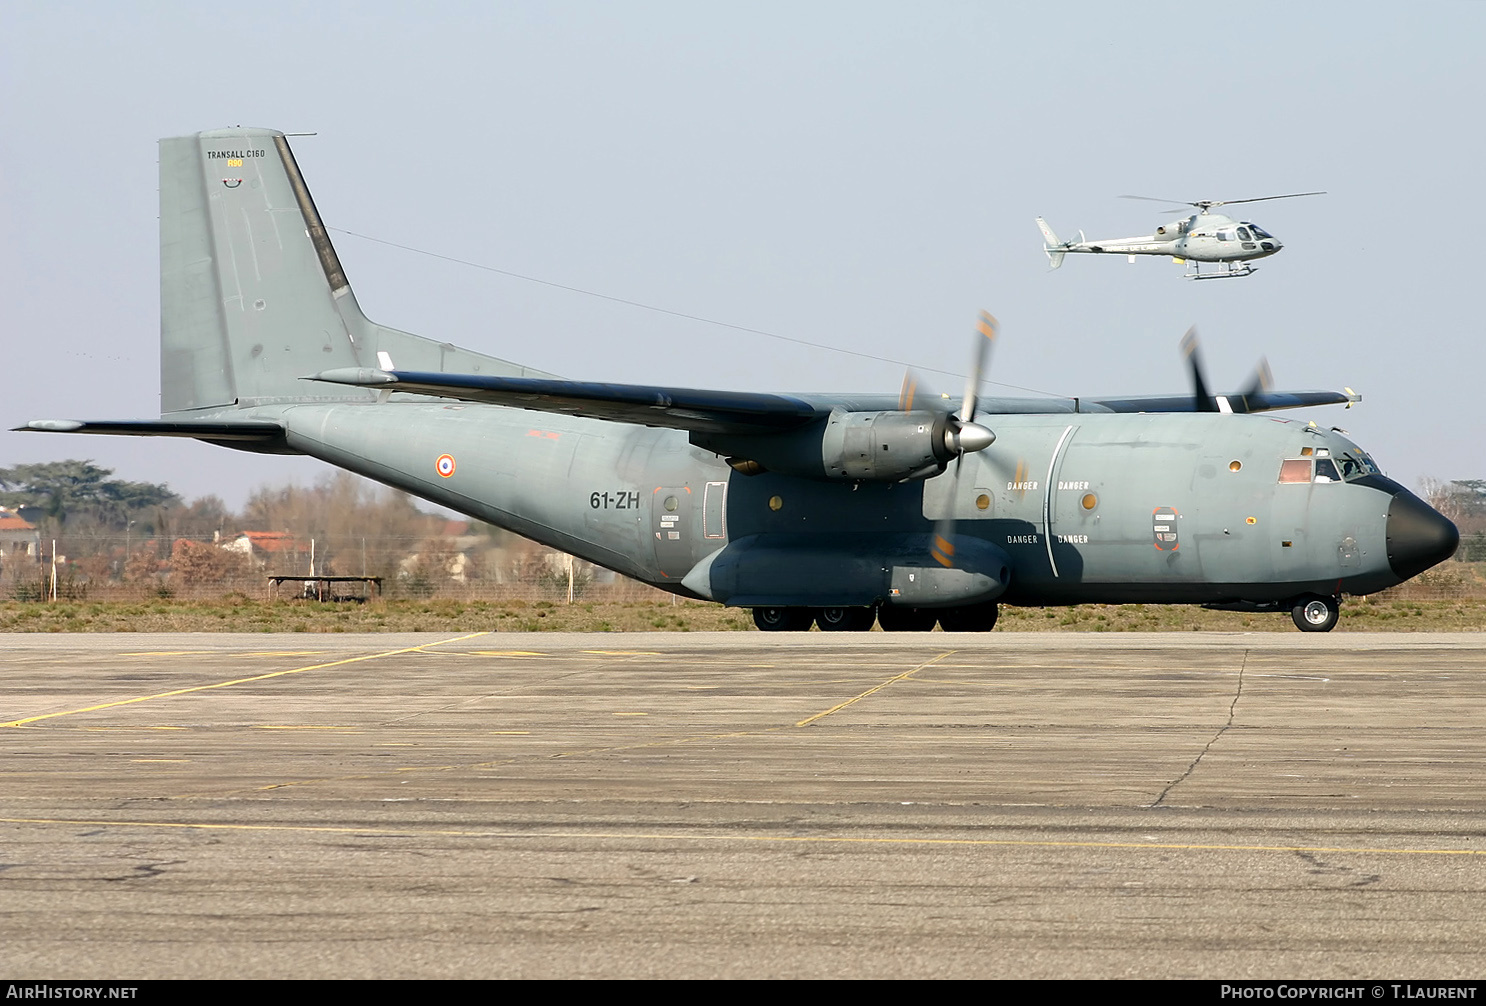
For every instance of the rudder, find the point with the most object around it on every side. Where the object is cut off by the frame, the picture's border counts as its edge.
(252, 294)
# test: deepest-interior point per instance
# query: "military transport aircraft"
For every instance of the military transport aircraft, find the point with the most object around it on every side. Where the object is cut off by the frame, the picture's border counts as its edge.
(1202, 237)
(824, 509)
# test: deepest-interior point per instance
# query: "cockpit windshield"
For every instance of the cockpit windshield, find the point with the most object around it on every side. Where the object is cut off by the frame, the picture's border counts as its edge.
(1355, 464)
(1259, 232)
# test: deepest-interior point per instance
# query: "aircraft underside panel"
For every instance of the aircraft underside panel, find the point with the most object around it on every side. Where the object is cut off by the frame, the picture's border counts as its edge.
(854, 570)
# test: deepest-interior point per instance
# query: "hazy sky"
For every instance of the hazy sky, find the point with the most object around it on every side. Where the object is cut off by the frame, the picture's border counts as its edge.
(858, 175)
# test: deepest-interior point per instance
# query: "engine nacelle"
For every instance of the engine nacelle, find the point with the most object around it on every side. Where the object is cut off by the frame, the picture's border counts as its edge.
(885, 446)
(1173, 230)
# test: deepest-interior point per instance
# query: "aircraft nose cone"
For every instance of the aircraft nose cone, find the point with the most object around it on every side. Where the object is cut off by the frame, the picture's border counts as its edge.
(1419, 536)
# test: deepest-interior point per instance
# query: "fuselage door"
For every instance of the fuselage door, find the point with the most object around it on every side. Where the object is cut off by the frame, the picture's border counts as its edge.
(714, 511)
(671, 520)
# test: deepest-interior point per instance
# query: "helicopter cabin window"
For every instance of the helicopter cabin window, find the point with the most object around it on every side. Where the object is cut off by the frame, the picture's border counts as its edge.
(1243, 233)
(1259, 232)
(1295, 470)
(1225, 235)
(1326, 471)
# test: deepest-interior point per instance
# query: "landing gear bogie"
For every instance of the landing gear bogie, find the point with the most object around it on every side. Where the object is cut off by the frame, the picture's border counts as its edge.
(844, 619)
(906, 619)
(971, 618)
(783, 619)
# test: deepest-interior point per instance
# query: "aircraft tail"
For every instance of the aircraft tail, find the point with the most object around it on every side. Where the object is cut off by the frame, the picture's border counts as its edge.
(1050, 244)
(252, 294)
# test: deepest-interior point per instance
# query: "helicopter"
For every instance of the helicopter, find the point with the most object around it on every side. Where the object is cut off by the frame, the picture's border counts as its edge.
(1202, 237)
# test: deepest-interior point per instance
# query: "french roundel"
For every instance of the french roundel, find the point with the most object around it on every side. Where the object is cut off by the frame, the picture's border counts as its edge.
(445, 465)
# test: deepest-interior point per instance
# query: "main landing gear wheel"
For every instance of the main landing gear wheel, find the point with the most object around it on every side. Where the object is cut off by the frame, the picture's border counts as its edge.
(843, 619)
(783, 619)
(971, 618)
(905, 619)
(1315, 613)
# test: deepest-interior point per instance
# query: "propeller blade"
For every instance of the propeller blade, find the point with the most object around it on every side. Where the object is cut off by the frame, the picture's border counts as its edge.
(986, 327)
(1263, 377)
(909, 392)
(941, 544)
(1253, 394)
(1202, 401)
(917, 393)
(965, 436)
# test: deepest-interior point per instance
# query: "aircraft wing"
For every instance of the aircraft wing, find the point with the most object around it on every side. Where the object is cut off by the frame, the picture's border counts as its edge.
(643, 405)
(1263, 401)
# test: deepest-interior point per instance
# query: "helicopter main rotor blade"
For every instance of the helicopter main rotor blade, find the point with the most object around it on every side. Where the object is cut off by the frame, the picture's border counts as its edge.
(1260, 199)
(1207, 204)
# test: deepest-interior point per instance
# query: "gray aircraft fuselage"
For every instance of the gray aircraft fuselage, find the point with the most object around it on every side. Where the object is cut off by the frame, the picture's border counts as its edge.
(1073, 499)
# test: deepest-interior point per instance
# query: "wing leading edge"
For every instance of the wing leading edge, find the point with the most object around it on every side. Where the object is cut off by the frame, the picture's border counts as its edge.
(741, 412)
(644, 405)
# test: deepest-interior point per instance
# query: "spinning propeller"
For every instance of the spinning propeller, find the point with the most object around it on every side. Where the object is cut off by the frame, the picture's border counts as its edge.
(962, 435)
(1203, 400)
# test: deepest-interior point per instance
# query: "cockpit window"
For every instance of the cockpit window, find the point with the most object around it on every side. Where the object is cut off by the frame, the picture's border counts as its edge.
(1355, 464)
(1326, 471)
(1243, 233)
(1295, 470)
(1259, 232)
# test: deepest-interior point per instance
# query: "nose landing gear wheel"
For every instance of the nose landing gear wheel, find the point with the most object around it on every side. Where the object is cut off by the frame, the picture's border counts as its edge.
(843, 619)
(1316, 613)
(783, 619)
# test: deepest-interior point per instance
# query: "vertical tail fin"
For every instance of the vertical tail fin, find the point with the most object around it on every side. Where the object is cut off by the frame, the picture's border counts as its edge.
(252, 294)
(1050, 243)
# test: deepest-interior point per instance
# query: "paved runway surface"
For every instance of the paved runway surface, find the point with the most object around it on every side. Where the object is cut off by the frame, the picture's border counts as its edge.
(743, 805)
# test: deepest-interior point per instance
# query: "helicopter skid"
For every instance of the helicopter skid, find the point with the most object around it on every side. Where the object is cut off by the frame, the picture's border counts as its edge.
(1225, 270)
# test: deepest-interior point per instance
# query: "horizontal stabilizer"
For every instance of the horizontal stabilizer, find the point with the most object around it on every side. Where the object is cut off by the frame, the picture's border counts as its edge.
(256, 436)
(643, 405)
(247, 430)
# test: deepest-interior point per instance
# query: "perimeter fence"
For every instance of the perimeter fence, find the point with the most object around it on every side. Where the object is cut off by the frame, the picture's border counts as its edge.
(117, 568)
